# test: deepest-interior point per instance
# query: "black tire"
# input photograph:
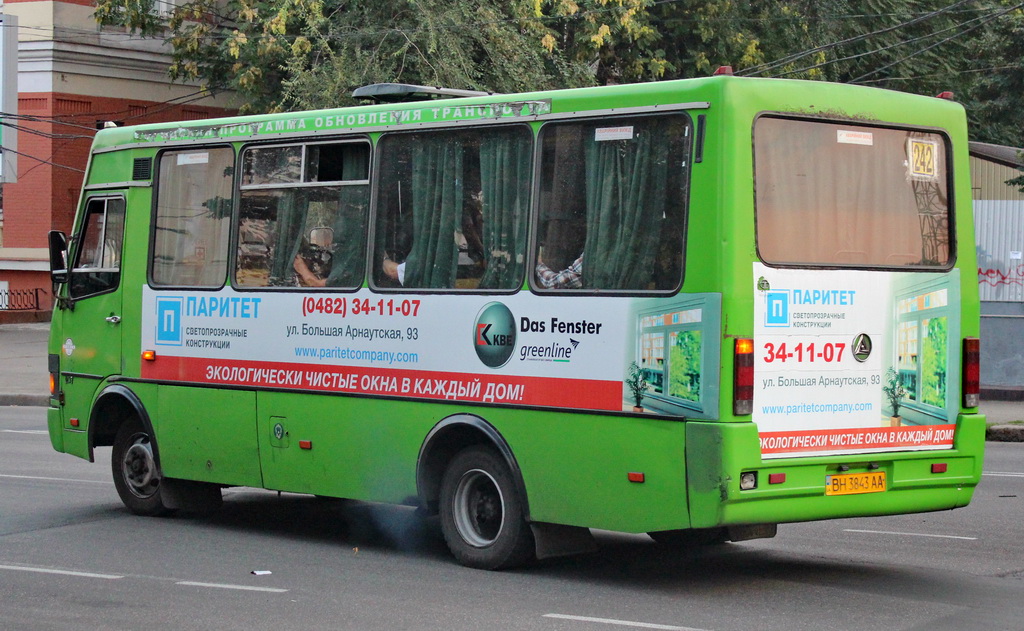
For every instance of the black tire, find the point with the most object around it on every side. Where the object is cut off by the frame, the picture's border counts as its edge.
(690, 538)
(136, 474)
(482, 514)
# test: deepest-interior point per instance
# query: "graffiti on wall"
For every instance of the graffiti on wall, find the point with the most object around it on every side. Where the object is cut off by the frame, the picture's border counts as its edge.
(997, 277)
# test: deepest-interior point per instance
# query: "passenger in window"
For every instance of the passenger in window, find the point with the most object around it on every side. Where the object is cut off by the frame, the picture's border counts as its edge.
(469, 258)
(394, 270)
(399, 249)
(468, 249)
(569, 278)
(312, 264)
(472, 261)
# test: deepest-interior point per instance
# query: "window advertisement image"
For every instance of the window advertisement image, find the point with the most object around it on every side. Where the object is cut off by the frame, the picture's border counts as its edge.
(855, 361)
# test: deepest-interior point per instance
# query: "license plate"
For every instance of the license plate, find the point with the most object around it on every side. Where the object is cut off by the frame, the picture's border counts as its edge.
(853, 483)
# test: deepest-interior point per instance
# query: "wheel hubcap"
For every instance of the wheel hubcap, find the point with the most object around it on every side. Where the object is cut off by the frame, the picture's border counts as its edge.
(479, 508)
(139, 467)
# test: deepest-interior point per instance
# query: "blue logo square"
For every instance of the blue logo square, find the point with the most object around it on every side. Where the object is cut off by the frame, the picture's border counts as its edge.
(776, 308)
(168, 321)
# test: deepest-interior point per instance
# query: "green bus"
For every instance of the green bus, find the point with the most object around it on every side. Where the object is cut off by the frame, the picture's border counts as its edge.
(695, 309)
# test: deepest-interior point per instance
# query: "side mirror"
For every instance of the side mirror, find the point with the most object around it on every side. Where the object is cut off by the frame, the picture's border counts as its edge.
(321, 237)
(58, 257)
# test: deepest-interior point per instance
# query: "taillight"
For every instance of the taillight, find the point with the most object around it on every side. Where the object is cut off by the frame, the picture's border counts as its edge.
(972, 372)
(743, 378)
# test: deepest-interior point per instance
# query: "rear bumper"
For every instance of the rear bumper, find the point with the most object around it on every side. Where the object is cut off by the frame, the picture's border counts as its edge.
(912, 483)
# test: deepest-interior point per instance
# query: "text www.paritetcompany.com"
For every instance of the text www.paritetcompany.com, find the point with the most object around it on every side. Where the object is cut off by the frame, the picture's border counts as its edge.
(818, 408)
(354, 354)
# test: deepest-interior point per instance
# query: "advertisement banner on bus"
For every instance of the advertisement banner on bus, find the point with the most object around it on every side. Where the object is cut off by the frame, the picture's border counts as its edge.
(513, 350)
(855, 361)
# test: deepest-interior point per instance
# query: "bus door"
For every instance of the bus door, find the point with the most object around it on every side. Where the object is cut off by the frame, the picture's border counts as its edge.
(92, 331)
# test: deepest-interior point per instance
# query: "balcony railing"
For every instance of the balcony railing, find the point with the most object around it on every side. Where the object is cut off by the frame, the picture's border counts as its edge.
(19, 299)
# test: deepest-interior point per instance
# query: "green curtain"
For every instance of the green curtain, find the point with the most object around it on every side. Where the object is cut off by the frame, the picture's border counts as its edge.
(437, 212)
(291, 219)
(626, 199)
(505, 174)
(349, 237)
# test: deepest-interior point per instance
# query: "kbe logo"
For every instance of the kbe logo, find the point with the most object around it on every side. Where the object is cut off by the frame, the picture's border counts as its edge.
(494, 335)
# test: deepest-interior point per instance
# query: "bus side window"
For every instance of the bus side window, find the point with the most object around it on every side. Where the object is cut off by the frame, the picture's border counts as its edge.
(613, 204)
(97, 266)
(190, 241)
(452, 209)
(302, 216)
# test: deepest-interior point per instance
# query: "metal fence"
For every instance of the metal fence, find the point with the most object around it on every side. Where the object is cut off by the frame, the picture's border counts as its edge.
(19, 299)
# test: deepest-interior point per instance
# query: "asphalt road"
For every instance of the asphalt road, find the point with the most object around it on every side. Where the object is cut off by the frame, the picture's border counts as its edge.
(71, 557)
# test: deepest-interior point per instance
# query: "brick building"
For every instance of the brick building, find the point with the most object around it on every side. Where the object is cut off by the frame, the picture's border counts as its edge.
(73, 76)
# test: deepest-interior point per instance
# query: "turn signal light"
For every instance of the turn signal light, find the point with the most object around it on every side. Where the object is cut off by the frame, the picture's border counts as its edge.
(149, 355)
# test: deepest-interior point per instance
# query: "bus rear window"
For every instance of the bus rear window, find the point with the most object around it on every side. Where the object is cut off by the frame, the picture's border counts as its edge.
(848, 195)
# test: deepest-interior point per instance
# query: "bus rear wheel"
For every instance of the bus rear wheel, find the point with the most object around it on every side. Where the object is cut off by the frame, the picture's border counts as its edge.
(482, 516)
(136, 474)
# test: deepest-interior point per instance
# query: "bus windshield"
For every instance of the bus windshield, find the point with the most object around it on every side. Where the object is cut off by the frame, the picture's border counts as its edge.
(851, 195)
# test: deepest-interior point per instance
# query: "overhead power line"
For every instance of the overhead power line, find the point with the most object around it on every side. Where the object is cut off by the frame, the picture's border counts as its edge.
(883, 48)
(939, 74)
(121, 114)
(761, 68)
(59, 166)
(940, 42)
(36, 132)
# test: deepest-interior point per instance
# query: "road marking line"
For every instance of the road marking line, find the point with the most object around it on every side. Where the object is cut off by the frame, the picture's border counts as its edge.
(1004, 474)
(36, 477)
(910, 534)
(25, 431)
(621, 623)
(249, 588)
(44, 570)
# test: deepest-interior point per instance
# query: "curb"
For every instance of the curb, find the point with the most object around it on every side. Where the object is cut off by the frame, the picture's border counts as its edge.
(1005, 433)
(36, 400)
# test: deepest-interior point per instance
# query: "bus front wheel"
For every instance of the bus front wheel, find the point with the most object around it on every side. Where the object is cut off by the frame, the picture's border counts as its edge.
(136, 474)
(482, 515)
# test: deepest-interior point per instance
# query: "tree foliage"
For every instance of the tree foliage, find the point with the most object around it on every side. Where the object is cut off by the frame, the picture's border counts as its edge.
(994, 103)
(292, 54)
(312, 53)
